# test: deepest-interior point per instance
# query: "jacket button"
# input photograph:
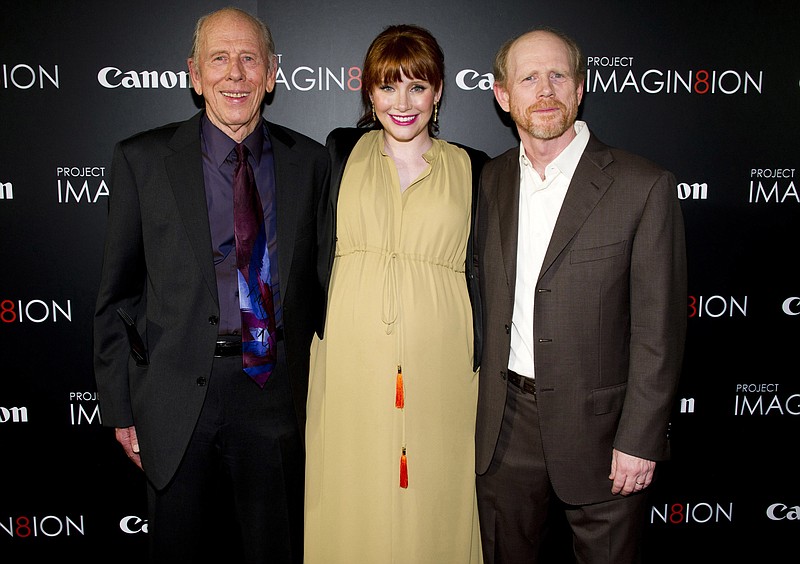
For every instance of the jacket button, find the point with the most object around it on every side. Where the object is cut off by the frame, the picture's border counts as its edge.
(502, 375)
(508, 329)
(213, 320)
(201, 381)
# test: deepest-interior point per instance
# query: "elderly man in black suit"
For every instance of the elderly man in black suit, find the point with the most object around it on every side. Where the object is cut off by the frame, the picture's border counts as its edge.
(218, 449)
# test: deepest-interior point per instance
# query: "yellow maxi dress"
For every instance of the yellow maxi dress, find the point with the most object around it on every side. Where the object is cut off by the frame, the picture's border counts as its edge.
(398, 296)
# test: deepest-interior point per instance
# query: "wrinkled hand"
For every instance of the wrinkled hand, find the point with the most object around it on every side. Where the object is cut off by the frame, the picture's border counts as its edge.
(630, 473)
(126, 436)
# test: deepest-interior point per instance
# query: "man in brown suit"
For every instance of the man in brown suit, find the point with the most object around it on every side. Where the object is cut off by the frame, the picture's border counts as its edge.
(582, 271)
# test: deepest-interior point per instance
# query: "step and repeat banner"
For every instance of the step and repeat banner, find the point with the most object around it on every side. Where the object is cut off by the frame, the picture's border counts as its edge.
(710, 90)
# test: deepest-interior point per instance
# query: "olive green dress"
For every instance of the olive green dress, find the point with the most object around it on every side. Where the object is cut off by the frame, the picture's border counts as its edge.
(398, 297)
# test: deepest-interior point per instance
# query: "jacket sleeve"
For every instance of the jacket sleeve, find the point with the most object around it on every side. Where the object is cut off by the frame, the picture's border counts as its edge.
(122, 285)
(658, 318)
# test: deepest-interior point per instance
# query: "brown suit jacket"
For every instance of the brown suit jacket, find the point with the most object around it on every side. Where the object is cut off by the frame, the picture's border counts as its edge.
(609, 315)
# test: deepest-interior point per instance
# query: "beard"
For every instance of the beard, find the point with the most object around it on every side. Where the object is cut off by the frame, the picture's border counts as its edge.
(545, 127)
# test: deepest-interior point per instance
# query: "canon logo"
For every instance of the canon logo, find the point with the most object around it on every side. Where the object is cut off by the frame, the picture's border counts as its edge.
(13, 414)
(791, 306)
(132, 525)
(694, 191)
(469, 79)
(781, 512)
(112, 77)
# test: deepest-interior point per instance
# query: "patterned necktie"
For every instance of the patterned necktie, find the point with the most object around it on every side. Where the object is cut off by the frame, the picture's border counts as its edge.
(252, 261)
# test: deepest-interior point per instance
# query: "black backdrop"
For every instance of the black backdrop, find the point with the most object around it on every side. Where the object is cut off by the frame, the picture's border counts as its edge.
(707, 89)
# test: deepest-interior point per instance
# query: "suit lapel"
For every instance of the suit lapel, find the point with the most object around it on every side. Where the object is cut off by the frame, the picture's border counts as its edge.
(185, 172)
(588, 185)
(508, 213)
(287, 172)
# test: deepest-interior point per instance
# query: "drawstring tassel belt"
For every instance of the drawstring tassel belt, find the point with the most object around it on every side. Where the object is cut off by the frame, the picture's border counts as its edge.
(399, 392)
(399, 403)
(403, 469)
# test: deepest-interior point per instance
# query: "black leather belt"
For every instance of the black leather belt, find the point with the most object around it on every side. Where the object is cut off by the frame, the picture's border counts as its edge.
(527, 385)
(233, 346)
(228, 347)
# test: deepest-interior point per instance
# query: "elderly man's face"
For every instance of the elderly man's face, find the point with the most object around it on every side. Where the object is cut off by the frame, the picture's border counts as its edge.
(233, 73)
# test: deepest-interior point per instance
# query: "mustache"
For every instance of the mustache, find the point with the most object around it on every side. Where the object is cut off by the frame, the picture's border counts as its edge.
(546, 105)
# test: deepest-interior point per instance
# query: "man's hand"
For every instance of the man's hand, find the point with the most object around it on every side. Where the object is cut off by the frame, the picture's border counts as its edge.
(630, 473)
(126, 436)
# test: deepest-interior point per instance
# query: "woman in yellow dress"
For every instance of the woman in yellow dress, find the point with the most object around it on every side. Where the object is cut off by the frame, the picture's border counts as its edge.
(393, 386)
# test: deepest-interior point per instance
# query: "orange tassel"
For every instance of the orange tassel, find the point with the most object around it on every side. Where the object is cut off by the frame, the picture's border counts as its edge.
(399, 392)
(403, 470)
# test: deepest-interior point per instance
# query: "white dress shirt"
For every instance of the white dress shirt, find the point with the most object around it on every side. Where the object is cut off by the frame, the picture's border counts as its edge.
(539, 205)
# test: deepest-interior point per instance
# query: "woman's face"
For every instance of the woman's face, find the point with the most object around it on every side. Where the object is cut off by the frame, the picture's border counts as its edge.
(404, 108)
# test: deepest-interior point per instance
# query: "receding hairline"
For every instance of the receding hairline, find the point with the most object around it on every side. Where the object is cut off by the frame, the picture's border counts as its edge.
(573, 50)
(534, 33)
(262, 30)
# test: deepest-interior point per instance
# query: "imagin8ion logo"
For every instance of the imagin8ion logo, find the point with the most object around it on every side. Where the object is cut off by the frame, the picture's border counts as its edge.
(24, 77)
(616, 75)
(305, 78)
(764, 399)
(691, 513)
(24, 526)
(84, 408)
(772, 185)
(81, 183)
(717, 306)
(34, 311)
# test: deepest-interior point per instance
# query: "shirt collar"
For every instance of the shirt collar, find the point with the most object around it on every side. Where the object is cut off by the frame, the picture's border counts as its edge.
(219, 145)
(567, 161)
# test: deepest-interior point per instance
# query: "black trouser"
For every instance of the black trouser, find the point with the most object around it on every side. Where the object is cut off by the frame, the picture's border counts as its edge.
(238, 492)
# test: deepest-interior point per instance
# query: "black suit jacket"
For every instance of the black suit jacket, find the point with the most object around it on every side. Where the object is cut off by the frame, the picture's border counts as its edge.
(340, 144)
(158, 266)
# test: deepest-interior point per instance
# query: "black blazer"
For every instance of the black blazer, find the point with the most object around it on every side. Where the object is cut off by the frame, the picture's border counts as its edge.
(340, 143)
(158, 266)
